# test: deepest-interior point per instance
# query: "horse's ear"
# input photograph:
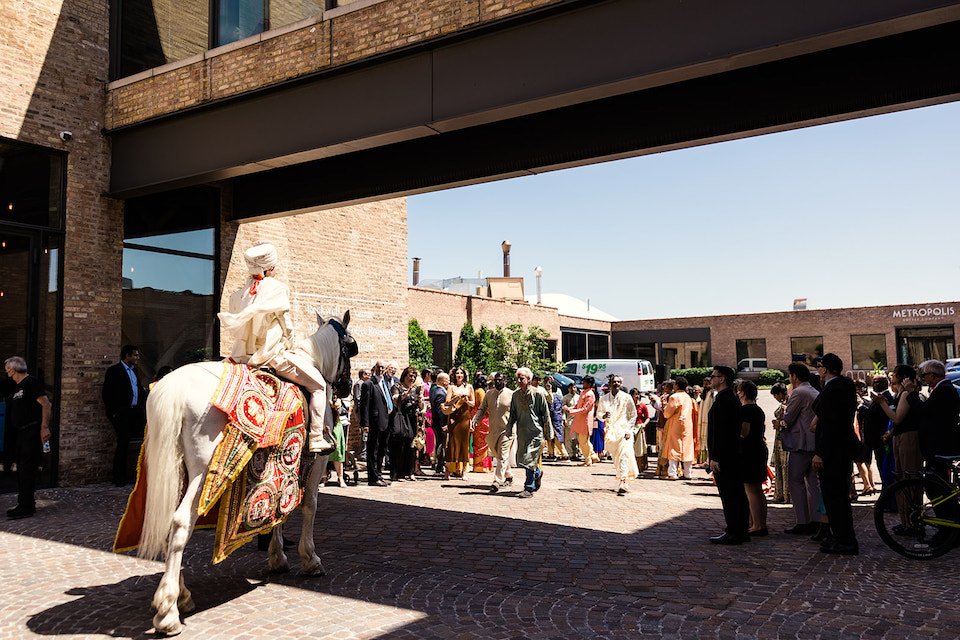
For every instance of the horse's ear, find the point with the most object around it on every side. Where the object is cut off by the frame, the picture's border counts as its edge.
(320, 320)
(346, 319)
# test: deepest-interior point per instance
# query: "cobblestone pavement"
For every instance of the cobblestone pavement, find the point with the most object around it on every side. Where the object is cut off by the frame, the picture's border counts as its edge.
(449, 560)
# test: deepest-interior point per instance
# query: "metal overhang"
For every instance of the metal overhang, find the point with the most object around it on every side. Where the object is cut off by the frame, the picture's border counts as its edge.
(597, 80)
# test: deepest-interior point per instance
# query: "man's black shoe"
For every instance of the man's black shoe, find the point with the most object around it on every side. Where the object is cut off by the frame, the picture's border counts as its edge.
(379, 483)
(842, 549)
(19, 512)
(823, 534)
(801, 529)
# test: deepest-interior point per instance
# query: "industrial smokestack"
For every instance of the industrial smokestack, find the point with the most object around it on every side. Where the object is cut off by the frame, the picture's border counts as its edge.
(416, 271)
(539, 273)
(505, 245)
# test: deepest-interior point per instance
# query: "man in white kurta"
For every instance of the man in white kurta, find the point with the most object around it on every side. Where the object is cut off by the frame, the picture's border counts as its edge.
(619, 413)
(496, 405)
(259, 322)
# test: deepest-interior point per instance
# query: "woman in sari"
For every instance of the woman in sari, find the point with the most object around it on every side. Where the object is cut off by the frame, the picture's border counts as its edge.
(481, 458)
(459, 407)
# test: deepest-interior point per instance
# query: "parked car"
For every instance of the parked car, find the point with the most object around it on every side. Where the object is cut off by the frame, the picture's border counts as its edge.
(750, 368)
(578, 380)
(952, 364)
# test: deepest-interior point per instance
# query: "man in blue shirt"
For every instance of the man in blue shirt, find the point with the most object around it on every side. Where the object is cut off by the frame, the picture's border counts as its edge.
(125, 400)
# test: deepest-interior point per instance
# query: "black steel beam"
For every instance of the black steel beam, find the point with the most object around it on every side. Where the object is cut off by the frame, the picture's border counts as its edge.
(579, 52)
(874, 76)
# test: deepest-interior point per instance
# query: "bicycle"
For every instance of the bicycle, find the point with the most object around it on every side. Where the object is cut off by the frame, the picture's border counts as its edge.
(919, 516)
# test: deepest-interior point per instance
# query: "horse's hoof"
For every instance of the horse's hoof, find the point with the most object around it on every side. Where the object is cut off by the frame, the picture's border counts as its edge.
(169, 625)
(187, 606)
(312, 571)
(283, 568)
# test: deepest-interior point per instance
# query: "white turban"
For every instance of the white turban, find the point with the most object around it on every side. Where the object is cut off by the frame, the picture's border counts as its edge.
(260, 258)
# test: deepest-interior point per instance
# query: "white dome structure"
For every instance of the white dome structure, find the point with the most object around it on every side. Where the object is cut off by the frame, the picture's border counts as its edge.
(570, 306)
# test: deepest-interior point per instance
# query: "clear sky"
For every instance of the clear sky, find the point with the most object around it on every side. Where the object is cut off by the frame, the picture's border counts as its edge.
(858, 213)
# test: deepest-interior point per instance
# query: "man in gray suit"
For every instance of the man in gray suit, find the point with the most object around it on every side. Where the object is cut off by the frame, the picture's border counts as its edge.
(799, 441)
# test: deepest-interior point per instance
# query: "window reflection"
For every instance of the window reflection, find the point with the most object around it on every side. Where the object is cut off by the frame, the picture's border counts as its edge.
(168, 297)
(239, 19)
(200, 241)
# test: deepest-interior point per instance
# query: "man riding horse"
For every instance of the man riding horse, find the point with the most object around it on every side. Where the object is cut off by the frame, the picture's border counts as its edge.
(259, 321)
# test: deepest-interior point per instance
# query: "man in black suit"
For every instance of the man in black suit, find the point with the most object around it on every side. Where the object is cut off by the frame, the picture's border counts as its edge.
(125, 399)
(723, 448)
(836, 445)
(376, 406)
(438, 395)
(939, 430)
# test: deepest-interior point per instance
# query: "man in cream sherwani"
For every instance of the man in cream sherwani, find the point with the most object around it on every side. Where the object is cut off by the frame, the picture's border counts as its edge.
(619, 414)
(496, 404)
(259, 323)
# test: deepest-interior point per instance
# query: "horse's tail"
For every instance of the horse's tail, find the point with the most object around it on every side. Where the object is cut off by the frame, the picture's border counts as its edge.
(164, 460)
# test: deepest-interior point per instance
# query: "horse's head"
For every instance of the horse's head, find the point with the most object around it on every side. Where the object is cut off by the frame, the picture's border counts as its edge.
(346, 348)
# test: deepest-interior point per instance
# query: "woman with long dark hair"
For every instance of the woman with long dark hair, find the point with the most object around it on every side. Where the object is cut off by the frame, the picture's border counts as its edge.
(403, 428)
(459, 407)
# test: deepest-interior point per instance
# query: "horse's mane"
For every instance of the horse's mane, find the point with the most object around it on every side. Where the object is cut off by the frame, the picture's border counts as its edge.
(323, 341)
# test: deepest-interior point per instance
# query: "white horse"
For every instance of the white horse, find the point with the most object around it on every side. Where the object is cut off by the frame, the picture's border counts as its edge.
(183, 432)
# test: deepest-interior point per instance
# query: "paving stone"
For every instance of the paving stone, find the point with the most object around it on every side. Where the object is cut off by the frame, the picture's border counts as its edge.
(449, 560)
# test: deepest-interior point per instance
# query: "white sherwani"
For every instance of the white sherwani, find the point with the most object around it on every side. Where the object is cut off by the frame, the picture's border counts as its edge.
(623, 416)
(496, 405)
(260, 326)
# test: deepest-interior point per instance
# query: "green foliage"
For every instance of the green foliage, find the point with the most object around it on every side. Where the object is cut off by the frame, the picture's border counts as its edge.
(694, 376)
(769, 377)
(419, 345)
(504, 349)
(492, 351)
(468, 349)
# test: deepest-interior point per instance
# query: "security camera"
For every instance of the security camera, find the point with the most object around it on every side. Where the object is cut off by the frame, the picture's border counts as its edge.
(66, 136)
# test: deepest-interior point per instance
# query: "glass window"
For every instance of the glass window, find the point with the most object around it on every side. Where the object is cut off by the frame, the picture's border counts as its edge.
(751, 348)
(442, 348)
(169, 277)
(30, 185)
(867, 350)
(573, 346)
(284, 12)
(239, 19)
(806, 349)
(156, 32)
(598, 346)
(683, 355)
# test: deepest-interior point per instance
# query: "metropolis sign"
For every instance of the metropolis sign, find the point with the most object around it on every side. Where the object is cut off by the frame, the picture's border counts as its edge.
(924, 312)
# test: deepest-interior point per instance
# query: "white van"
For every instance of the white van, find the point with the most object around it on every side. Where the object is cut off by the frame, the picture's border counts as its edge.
(635, 373)
(750, 368)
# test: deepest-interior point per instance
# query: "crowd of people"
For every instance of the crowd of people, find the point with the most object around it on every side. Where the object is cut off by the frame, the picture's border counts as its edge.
(828, 430)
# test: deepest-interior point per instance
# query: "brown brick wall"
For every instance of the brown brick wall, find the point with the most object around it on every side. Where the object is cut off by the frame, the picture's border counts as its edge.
(53, 66)
(834, 325)
(336, 260)
(444, 311)
(352, 36)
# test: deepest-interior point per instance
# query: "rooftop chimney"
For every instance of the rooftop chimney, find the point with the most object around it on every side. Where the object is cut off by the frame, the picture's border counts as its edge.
(505, 245)
(416, 271)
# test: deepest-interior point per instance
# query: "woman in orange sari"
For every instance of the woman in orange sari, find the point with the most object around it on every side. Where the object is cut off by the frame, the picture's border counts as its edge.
(481, 452)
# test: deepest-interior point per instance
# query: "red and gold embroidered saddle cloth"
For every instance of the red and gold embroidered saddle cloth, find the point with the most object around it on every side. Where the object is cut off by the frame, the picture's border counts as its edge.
(253, 480)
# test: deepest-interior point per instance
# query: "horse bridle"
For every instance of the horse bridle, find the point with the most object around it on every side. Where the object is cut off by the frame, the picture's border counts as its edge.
(348, 349)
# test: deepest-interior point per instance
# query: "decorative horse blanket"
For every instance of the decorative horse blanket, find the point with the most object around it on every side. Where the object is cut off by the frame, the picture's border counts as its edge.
(253, 480)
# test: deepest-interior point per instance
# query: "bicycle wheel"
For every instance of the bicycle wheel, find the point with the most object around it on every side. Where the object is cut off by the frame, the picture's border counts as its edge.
(902, 516)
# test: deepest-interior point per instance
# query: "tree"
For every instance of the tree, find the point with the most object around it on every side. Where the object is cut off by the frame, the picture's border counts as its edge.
(419, 345)
(525, 349)
(468, 349)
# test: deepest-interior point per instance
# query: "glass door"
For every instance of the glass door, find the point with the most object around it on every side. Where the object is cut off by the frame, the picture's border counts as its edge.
(16, 268)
